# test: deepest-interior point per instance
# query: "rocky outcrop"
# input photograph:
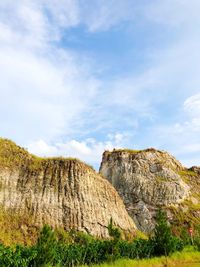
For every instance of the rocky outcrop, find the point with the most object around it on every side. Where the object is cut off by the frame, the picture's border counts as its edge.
(60, 192)
(147, 180)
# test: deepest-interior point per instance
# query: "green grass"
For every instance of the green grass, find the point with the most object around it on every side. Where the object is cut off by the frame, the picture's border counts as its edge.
(17, 228)
(132, 151)
(187, 172)
(187, 258)
(161, 179)
(192, 206)
(13, 156)
(124, 150)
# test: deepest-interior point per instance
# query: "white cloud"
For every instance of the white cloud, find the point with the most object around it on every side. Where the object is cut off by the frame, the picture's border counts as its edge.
(192, 148)
(39, 97)
(173, 13)
(40, 147)
(44, 89)
(35, 23)
(46, 92)
(102, 15)
(89, 150)
(182, 137)
(192, 106)
(63, 13)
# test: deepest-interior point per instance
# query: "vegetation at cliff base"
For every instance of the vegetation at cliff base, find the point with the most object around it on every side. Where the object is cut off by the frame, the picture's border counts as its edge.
(59, 248)
(16, 228)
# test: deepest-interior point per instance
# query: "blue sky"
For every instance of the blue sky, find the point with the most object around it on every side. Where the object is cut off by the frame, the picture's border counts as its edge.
(80, 76)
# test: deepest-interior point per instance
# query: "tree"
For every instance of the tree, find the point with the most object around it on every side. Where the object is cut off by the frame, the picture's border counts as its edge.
(46, 247)
(163, 241)
(114, 232)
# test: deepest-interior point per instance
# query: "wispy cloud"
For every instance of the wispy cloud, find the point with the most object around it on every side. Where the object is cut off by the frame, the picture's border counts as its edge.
(192, 106)
(60, 95)
(89, 150)
(182, 136)
(44, 88)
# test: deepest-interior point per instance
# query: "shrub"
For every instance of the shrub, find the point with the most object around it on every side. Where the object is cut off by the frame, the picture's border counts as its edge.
(140, 248)
(45, 247)
(185, 237)
(114, 232)
(197, 242)
(163, 242)
(75, 248)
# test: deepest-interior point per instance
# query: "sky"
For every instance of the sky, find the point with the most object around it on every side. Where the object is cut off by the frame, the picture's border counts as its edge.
(78, 77)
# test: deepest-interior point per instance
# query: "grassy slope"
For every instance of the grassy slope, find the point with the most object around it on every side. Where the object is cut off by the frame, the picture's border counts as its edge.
(16, 229)
(188, 212)
(13, 156)
(187, 258)
(131, 151)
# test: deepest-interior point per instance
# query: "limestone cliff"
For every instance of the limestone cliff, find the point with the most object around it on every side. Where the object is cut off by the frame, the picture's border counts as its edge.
(150, 179)
(60, 192)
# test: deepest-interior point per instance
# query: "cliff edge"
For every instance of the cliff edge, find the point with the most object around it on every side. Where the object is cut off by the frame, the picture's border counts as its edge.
(60, 192)
(150, 179)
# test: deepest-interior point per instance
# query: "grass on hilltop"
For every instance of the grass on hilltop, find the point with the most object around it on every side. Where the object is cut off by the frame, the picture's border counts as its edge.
(12, 156)
(132, 151)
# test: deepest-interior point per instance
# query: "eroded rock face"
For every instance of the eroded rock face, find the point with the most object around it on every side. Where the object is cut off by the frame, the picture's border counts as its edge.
(59, 192)
(145, 180)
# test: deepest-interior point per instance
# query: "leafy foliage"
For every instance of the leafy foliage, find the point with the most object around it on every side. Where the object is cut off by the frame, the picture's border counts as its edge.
(114, 231)
(163, 241)
(46, 247)
(59, 248)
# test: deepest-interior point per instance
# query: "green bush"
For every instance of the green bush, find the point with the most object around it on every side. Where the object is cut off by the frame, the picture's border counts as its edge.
(75, 248)
(185, 237)
(18, 257)
(45, 247)
(140, 248)
(196, 242)
(163, 242)
(114, 232)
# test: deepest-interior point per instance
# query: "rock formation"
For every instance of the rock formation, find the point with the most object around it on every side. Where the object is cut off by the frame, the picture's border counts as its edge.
(149, 179)
(60, 192)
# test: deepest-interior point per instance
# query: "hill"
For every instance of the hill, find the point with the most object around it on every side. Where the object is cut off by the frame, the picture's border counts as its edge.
(62, 192)
(151, 179)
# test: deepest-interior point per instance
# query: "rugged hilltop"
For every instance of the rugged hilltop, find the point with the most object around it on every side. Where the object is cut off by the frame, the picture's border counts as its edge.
(149, 179)
(67, 193)
(60, 192)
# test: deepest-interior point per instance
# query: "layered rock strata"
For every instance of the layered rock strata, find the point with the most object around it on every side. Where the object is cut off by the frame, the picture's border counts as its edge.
(60, 192)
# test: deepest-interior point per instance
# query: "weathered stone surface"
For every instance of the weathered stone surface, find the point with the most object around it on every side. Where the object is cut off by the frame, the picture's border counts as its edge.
(146, 180)
(61, 192)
